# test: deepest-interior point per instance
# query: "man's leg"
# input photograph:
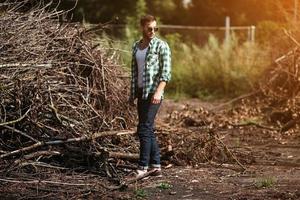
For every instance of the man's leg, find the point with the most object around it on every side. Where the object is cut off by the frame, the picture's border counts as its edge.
(143, 133)
(155, 152)
(149, 148)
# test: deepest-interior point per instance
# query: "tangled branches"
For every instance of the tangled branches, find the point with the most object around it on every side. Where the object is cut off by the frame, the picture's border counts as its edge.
(56, 85)
(281, 84)
(52, 73)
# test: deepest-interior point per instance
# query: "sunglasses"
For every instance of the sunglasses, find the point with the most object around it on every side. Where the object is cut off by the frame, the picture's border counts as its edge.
(152, 29)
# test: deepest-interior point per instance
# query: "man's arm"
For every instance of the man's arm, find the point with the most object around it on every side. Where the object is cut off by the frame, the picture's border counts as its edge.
(165, 75)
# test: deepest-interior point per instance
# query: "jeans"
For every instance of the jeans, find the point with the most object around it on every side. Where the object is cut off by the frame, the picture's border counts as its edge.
(149, 149)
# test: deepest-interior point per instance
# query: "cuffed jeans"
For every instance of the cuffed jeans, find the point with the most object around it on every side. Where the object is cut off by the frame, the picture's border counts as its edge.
(149, 149)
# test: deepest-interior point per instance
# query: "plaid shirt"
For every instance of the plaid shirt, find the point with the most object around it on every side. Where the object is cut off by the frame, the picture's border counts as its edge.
(157, 67)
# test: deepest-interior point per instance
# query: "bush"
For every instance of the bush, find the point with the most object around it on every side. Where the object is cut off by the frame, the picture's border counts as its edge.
(267, 31)
(216, 69)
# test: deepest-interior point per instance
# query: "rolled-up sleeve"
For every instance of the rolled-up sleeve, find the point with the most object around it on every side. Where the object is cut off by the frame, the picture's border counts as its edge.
(165, 63)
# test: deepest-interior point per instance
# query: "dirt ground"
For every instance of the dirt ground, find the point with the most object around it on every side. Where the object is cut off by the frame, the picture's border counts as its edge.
(272, 160)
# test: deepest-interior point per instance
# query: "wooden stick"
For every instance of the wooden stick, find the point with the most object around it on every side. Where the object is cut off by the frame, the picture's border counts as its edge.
(34, 146)
(90, 137)
(15, 121)
(119, 155)
(291, 37)
(48, 182)
(21, 132)
(285, 55)
(57, 142)
(64, 183)
(37, 154)
(255, 124)
(42, 164)
(235, 99)
(25, 65)
(129, 181)
(230, 153)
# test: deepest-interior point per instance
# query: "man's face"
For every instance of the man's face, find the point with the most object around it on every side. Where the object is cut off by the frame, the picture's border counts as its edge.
(149, 29)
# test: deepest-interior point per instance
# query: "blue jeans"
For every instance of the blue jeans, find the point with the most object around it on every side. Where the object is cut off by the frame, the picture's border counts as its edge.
(149, 149)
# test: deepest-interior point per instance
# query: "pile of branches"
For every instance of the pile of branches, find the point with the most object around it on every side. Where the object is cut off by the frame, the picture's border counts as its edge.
(280, 84)
(194, 136)
(57, 86)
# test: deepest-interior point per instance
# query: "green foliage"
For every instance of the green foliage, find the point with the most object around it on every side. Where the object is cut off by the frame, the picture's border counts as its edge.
(100, 11)
(265, 182)
(208, 12)
(132, 32)
(164, 186)
(165, 6)
(121, 49)
(140, 194)
(253, 120)
(267, 31)
(165, 10)
(215, 69)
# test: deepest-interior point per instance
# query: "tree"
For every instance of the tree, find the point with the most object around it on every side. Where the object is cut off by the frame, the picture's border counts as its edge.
(200, 12)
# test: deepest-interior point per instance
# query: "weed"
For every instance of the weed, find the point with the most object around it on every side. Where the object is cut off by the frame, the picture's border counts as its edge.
(140, 193)
(215, 69)
(253, 120)
(164, 186)
(265, 182)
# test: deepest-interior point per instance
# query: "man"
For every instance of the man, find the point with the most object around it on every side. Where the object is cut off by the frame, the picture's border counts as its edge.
(150, 72)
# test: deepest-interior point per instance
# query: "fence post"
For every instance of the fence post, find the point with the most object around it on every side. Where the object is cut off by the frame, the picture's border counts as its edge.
(227, 30)
(252, 38)
(249, 33)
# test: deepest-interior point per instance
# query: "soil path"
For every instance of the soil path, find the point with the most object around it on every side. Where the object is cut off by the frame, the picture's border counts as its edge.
(272, 161)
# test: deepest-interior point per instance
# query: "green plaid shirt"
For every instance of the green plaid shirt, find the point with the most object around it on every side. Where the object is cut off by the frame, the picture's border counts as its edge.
(157, 67)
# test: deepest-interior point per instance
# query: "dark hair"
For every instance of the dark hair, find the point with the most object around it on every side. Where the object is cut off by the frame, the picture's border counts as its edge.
(146, 19)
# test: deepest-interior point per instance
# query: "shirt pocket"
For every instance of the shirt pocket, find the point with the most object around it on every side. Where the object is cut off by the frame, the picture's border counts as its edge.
(153, 61)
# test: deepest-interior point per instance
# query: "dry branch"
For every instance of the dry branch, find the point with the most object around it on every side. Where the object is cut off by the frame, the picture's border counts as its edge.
(15, 121)
(255, 124)
(70, 140)
(229, 152)
(119, 155)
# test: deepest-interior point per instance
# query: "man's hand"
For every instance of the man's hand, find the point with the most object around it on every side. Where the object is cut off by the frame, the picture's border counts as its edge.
(156, 98)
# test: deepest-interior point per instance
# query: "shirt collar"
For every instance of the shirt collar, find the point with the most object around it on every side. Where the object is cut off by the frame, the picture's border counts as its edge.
(151, 41)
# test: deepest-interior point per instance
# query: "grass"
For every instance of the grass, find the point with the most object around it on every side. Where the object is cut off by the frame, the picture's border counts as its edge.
(265, 182)
(140, 194)
(164, 186)
(252, 120)
(216, 69)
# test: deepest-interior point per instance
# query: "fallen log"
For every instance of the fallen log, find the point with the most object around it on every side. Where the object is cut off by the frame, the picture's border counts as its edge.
(58, 142)
(118, 155)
